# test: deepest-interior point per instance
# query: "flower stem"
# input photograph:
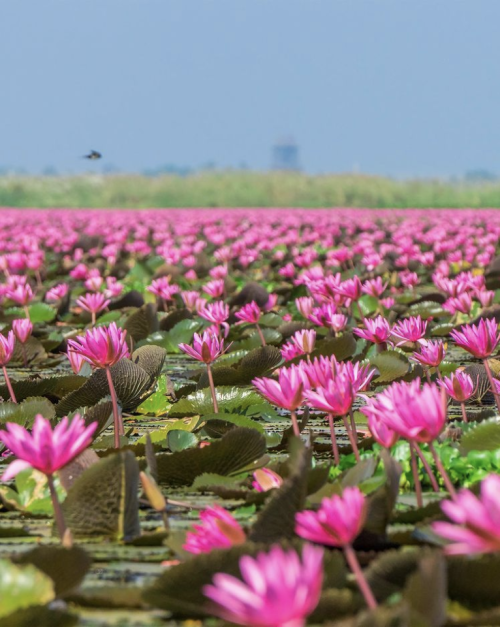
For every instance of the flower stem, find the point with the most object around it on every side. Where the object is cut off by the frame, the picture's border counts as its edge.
(58, 515)
(261, 335)
(352, 438)
(212, 389)
(296, 430)
(442, 471)
(93, 318)
(27, 312)
(25, 356)
(427, 467)
(9, 385)
(363, 585)
(464, 413)
(116, 414)
(335, 447)
(492, 385)
(416, 478)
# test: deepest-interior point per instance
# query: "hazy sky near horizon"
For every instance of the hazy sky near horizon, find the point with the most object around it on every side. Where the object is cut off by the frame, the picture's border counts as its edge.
(396, 87)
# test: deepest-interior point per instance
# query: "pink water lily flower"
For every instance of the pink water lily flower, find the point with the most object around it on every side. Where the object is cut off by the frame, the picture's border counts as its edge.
(336, 397)
(480, 339)
(205, 348)
(459, 385)
(93, 302)
(338, 522)
(249, 313)
(287, 392)
(218, 529)
(266, 479)
(57, 292)
(76, 361)
(101, 347)
(476, 520)
(377, 330)
(430, 353)
(304, 340)
(23, 329)
(279, 589)
(22, 294)
(416, 413)
(7, 345)
(411, 329)
(305, 305)
(45, 449)
(217, 312)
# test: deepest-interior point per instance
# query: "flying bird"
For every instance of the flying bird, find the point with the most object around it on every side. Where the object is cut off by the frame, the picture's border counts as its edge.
(93, 155)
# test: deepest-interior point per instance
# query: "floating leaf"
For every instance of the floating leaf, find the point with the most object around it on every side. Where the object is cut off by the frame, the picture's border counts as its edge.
(271, 336)
(483, 437)
(102, 413)
(236, 420)
(341, 347)
(473, 580)
(132, 384)
(41, 312)
(429, 576)
(158, 403)
(41, 616)
(387, 574)
(22, 586)
(391, 365)
(53, 388)
(235, 451)
(103, 500)
(180, 440)
(381, 502)
(230, 400)
(33, 349)
(276, 522)
(70, 473)
(209, 480)
(259, 362)
(150, 359)
(31, 494)
(65, 566)
(142, 322)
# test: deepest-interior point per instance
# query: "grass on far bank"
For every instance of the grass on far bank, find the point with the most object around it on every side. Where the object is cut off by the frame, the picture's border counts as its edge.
(242, 189)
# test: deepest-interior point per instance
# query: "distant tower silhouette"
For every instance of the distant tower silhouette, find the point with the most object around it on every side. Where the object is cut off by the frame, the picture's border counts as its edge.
(286, 155)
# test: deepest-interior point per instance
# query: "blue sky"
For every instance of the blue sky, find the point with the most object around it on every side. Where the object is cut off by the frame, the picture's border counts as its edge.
(397, 87)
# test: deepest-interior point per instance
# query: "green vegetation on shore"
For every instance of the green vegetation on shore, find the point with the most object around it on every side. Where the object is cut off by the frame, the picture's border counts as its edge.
(242, 189)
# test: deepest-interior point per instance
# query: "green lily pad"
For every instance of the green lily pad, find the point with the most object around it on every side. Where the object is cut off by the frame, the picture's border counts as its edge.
(181, 440)
(482, 437)
(22, 587)
(238, 449)
(391, 365)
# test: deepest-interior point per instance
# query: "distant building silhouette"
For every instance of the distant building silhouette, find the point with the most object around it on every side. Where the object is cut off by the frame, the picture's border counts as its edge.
(286, 155)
